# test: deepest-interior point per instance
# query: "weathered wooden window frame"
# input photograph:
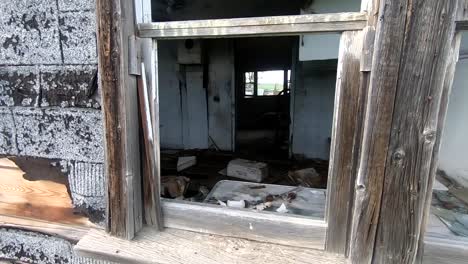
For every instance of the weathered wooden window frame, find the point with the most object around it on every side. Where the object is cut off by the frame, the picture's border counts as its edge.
(243, 223)
(355, 61)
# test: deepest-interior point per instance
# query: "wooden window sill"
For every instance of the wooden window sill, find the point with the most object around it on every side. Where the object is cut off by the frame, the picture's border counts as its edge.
(179, 246)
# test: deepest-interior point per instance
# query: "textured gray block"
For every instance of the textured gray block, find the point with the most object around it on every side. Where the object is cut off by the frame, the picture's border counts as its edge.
(78, 37)
(7, 132)
(29, 32)
(69, 86)
(88, 187)
(66, 133)
(32, 247)
(19, 86)
(76, 5)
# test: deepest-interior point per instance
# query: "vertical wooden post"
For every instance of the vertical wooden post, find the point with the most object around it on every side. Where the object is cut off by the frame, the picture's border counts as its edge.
(346, 119)
(151, 177)
(115, 24)
(411, 55)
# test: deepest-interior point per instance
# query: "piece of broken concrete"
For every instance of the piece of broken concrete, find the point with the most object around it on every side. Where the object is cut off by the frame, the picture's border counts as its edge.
(186, 162)
(305, 177)
(247, 170)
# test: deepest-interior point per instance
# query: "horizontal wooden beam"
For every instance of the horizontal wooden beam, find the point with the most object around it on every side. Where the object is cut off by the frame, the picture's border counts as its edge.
(179, 246)
(258, 26)
(261, 226)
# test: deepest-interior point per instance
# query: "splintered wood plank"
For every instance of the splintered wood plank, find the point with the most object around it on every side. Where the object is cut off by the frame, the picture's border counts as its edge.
(177, 246)
(345, 138)
(45, 199)
(258, 26)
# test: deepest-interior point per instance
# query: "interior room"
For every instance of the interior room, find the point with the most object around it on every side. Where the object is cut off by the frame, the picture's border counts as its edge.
(246, 122)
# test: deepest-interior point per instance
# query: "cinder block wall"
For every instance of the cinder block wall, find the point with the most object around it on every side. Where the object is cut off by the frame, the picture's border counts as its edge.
(50, 106)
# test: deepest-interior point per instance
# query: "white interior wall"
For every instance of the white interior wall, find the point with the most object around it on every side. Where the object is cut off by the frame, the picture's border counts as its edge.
(313, 97)
(170, 108)
(324, 46)
(188, 114)
(454, 145)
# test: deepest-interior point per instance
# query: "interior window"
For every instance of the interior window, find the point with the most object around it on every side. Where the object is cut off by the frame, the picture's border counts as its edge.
(267, 83)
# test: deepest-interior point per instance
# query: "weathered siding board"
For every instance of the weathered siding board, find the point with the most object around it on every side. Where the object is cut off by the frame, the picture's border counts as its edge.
(379, 113)
(400, 129)
(346, 120)
(414, 130)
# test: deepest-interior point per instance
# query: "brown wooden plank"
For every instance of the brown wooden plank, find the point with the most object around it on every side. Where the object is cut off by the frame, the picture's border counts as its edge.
(115, 24)
(345, 134)
(43, 196)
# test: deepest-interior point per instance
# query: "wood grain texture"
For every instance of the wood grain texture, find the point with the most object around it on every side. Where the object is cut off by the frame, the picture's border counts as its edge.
(415, 129)
(259, 26)
(153, 87)
(72, 233)
(45, 199)
(260, 226)
(177, 246)
(444, 102)
(115, 24)
(400, 129)
(345, 135)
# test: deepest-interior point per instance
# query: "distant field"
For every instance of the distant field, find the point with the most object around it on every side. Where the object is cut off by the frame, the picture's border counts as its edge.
(270, 88)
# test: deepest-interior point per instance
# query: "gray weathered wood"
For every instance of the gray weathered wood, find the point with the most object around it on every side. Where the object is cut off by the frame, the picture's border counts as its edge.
(259, 26)
(178, 246)
(415, 130)
(261, 226)
(345, 134)
(134, 56)
(400, 129)
(119, 103)
(151, 191)
(444, 102)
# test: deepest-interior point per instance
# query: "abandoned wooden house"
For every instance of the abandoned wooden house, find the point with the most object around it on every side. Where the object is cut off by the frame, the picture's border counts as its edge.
(248, 131)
